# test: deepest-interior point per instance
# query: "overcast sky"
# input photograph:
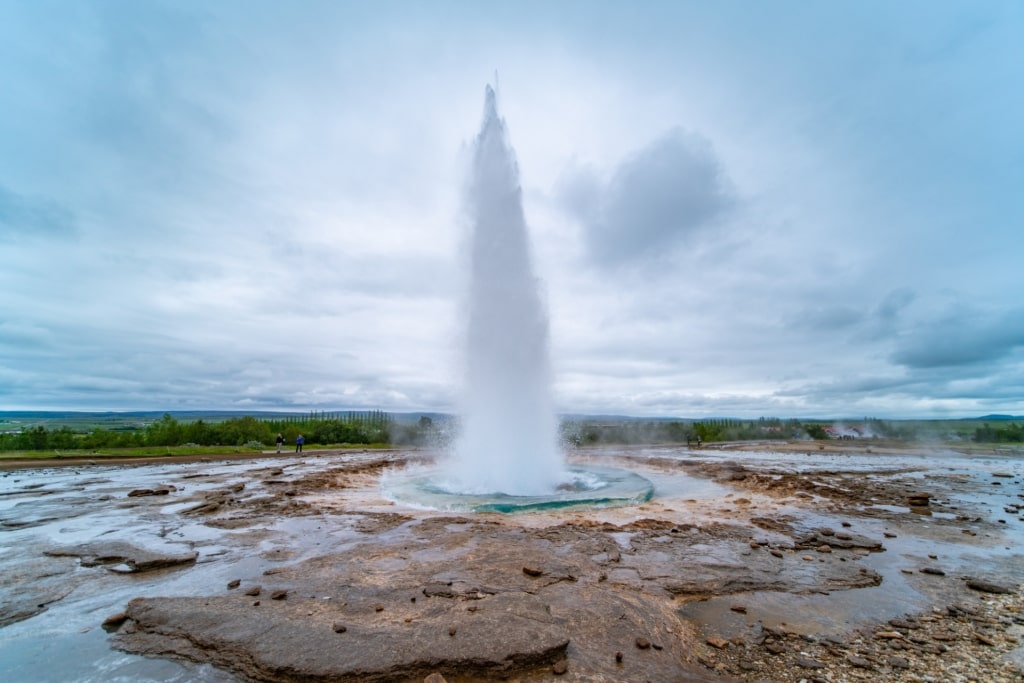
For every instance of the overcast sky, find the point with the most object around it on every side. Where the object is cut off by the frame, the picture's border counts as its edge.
(736, 209)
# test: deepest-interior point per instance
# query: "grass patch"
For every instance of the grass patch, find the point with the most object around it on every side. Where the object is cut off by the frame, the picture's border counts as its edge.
(165, 451)
(138, 452)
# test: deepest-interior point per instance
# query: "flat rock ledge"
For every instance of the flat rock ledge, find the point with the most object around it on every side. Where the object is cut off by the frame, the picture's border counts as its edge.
(134, 558)
(509, 634)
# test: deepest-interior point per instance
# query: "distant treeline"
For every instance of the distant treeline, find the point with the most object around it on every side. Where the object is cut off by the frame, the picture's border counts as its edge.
(372, 427)
(663, 431)
(1010, 433)
(378, 427)
(728, 429)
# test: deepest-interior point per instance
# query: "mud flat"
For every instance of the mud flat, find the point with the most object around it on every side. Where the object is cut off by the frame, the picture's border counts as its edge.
(780, 564)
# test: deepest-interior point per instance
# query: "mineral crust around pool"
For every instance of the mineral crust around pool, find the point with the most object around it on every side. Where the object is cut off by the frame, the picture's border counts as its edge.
(585, 486)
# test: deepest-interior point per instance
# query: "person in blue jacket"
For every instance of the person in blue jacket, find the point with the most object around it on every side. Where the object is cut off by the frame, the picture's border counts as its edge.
(298, 443)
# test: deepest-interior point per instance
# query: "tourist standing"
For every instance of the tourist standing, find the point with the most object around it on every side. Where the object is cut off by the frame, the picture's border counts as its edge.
(280, 442)
(298, 443)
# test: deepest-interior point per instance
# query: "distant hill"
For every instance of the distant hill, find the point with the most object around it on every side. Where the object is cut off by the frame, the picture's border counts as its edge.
(996, 418)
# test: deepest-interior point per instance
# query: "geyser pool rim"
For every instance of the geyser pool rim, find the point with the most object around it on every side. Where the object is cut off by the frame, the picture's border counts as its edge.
(614, 487)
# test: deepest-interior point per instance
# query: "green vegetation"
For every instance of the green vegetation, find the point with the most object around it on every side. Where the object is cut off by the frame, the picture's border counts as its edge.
(621, 431)
(1012, 432)
(236, 434)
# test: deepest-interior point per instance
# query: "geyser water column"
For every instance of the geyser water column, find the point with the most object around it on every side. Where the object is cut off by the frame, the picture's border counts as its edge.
(507, 457)
(509, 432)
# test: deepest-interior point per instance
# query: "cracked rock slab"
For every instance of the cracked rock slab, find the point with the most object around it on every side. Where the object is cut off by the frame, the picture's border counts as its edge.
(508, 634)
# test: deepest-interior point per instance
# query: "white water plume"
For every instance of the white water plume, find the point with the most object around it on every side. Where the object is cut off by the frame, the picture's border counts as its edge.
(508, 442)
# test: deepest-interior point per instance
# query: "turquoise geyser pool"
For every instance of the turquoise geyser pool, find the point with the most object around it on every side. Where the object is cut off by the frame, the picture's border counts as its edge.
(586, 486)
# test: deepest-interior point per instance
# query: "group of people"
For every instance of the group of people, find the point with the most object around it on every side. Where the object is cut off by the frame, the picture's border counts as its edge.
(298, 443)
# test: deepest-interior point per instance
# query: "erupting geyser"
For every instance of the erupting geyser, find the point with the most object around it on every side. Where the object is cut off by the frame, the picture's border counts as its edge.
(509, 434)
(507, 457)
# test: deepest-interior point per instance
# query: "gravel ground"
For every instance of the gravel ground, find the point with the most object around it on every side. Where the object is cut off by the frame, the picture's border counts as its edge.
(968, 641)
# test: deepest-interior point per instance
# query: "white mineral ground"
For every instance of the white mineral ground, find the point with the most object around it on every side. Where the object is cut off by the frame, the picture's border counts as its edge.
(755, 562)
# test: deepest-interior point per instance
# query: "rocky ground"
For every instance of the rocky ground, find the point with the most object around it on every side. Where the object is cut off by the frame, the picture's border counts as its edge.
(782, 571)
(966, 641)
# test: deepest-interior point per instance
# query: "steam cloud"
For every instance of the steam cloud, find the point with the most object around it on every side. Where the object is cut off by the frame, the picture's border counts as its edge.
(509, 428)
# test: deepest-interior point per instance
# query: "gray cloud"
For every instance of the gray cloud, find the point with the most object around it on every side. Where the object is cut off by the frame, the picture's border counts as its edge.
(894, 303)
(653, 200)
(22, 216)
(963, 336)
(827, 318)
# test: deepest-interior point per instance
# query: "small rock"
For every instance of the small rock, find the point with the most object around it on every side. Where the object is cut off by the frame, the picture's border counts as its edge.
(114, 621)
(253, 590)
(808, 558)
(859, 662)
(934, 571)
(825, 531)
(888, 635)
(987, 586)
(435, 678)
(824, 548)
(717, 642)
(776, 553)
(897, 662)
(843, 536)
(888, 534)
(452, 630)
(808, 663)
(256, 603)
(739, 609)
(618, 657)
(279, 595)
(560, 667)
(984, 640)
(775, 648)
(339, 627)
(847, 524)
(140, 492)
(234, 583)
(378, 607)
(532, 571)
(642, 643)
(919, 499)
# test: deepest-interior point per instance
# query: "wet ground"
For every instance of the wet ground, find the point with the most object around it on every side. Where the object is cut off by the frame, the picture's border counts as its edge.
(752, 563)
